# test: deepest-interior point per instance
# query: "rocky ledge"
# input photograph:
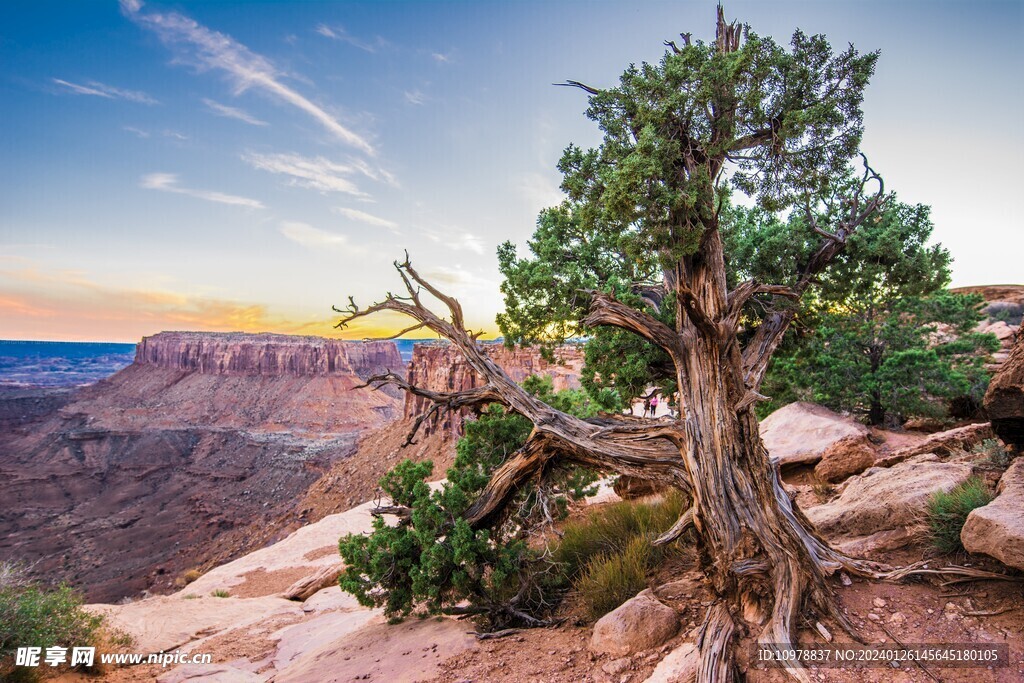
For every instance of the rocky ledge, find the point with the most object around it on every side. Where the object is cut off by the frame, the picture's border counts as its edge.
(441, 367)
(236, 353)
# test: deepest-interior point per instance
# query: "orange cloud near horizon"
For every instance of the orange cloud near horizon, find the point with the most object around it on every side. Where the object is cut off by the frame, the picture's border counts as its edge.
(127, 316)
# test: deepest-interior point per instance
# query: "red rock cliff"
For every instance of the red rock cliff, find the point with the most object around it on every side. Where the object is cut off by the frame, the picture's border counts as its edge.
(440, 367)
(271, 355)
(121, 485)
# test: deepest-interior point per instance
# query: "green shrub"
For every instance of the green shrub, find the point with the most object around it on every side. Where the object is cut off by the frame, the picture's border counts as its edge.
(608, 554)
(947, 512)
(610, 530)
(221, 593)
(35, 616)
(609, 579)
(995, 453)
(433, 561)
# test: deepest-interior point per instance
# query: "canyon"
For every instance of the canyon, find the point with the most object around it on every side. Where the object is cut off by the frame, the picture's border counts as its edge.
(211, 445)
(120, 486)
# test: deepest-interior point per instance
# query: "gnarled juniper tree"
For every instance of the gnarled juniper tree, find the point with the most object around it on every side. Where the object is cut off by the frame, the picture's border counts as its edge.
(782, 126)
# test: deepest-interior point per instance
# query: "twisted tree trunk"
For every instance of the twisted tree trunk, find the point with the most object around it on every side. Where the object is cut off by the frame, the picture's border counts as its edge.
(760, 554)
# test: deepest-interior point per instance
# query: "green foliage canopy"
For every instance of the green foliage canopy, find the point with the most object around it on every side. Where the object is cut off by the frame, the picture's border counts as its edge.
(779, 125)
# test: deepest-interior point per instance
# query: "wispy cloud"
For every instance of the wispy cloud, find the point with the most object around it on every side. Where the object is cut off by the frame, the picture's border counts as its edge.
(97, 89)
(69, 305)
(319, 173)
(209, 49)
(367, 218)
(337, 32)
(167, 133)
(456, 276)
(540, 190)
(316, 173)
(415, 97)
(441, 58)
(315, 238)
(455, 238)
(232, 112)
(168, 182)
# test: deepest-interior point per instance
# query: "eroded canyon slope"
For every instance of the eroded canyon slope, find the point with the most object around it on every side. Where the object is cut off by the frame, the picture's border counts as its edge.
(124, 484)
(441, 367)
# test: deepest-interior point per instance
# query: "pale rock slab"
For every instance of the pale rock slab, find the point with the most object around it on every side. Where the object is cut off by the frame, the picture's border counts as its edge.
(321, 631)
(891, 499)
(209, 673)
(318, 541)
(402, 653)
(801, 432)
(679, 666)
(164, 623)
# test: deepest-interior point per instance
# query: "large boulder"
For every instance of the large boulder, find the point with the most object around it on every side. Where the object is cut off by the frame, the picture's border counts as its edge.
(997, 529)
(641, 623)
(845, 458)
(886, 500)
(799, 433)
(1004, 400)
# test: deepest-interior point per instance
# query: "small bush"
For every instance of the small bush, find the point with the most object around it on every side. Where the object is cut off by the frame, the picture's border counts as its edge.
(1010, 313)
(609, 579)
(609, 554)
(995, 453)
(191, 575)
(220, 593)
(433, 561)
(35, 616)
(823, 491)
(610, 530)
(947, 512)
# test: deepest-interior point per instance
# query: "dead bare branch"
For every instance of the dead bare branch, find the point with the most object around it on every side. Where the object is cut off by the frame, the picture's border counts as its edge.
(581, 86)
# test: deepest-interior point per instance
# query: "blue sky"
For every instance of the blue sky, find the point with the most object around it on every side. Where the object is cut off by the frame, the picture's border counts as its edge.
(228, 165)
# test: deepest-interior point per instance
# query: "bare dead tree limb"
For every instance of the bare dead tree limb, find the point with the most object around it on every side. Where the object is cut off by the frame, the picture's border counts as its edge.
(645, 453)
(581, 86)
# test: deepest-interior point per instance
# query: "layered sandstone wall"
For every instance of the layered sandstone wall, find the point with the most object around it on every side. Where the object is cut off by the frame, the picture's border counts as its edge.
(440, 367)
(192, 451)
(271, 355)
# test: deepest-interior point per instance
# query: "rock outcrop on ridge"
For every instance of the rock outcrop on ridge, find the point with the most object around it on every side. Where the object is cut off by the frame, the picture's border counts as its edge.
(440, 367)
(1004, 400)
(132, 480)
